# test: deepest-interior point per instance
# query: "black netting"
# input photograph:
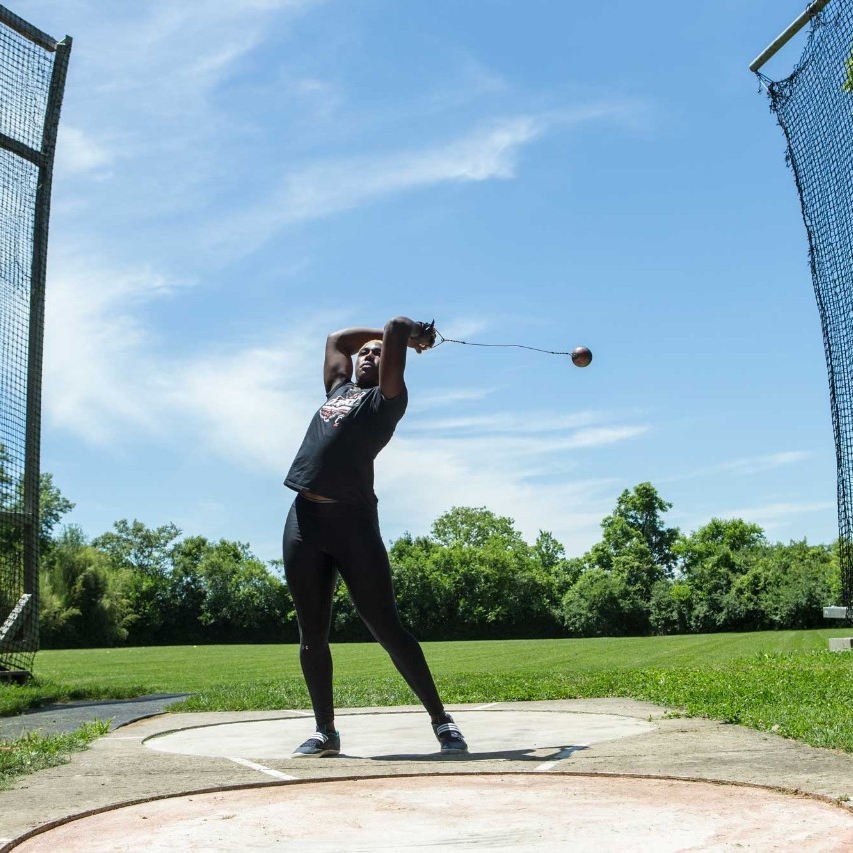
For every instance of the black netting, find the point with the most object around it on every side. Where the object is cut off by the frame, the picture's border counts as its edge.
(32, 74)
(814, 107)
(25, 73)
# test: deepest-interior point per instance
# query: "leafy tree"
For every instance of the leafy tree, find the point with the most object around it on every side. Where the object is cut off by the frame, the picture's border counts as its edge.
(637, 521)
(182, 606)
(600, 604)
(141, 557)
(425, 594)
(221, 592)
(498, 592)
(53, 505)
(712, 559)
(242, 599)
(548, 551)
(636, 567)
(476, 577)
(786, 587)
(79, 603)
(475, 527)
(629, 566)
(669, 607)
(560, 572)
(132, 545)
(8, 486)
(473, 577)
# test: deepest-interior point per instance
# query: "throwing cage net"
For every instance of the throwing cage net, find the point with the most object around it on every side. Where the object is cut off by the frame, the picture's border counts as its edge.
(814, 107)
(32, 80)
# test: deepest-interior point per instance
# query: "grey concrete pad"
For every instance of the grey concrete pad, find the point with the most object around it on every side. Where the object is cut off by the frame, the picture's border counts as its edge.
(497, 733)
(619, 763)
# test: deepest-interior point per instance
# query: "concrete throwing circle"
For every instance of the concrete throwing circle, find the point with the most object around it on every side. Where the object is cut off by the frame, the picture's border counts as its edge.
(408, 735)
(532, 811)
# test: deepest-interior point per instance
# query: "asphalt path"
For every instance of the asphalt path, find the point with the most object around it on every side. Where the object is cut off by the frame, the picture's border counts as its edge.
(68, 717)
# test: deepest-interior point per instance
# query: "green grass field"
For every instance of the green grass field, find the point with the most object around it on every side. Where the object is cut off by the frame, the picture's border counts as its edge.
(99, 673)
(786, 682)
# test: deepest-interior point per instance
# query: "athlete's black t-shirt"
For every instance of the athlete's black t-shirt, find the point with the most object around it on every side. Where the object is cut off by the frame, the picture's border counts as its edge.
(344, 437)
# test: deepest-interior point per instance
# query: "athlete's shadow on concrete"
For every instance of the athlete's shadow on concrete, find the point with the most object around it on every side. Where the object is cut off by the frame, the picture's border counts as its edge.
(554, 753)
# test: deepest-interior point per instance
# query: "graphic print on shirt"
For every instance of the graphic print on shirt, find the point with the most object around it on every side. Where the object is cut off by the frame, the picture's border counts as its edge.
(338, 408)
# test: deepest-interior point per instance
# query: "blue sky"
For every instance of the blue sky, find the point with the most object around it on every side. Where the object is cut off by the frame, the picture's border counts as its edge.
(236, 179)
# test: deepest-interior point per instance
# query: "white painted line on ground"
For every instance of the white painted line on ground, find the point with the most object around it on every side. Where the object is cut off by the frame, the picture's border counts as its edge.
(485, 707)
(560, 756)
(261, 769)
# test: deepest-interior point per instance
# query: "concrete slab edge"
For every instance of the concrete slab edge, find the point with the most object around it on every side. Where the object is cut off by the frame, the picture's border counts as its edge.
(54, 824)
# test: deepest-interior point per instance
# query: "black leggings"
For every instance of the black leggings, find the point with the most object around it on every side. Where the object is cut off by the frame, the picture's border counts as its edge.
(321, 540)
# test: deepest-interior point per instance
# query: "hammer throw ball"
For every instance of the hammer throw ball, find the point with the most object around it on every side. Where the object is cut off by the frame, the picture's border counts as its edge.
(581, 356)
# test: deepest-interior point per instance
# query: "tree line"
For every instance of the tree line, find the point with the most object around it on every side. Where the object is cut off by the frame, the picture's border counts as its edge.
(472, 577)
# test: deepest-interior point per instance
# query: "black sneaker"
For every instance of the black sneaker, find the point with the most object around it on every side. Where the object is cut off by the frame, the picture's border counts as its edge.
(449, 736)
(319, 745)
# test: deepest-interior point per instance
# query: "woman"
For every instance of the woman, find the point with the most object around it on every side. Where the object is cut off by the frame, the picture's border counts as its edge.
(333, 525)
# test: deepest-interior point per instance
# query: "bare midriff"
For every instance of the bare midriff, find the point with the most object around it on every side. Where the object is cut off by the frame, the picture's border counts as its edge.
(320, 499)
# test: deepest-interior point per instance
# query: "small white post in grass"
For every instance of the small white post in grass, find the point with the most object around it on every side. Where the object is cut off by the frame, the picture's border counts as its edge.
(838, 644)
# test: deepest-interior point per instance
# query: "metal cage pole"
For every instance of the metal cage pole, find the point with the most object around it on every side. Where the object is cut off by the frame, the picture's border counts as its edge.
(780, 41)
(36, 336)
(31, 141)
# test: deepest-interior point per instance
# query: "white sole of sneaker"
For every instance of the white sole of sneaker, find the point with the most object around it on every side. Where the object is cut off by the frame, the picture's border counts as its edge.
(326, 753)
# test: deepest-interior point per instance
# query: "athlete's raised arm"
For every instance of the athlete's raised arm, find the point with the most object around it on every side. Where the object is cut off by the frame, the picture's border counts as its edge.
(381, 354)
(341, 346)
(400, 334)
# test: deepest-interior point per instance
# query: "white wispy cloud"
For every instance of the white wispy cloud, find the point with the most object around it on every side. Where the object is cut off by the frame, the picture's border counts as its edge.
(321, 189)
(505, 422)
(316, 190)
(155, 125)
(527, 474)
(464, 473)
(97, 347)
(431, 400)
(535, 453)
(769, 514)
(527, 444)
(248, 407)
(777, 519)
(79, 151)
(109, 378)
(759, 464)
(193, 43)
(143, 95)
(744, 467)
